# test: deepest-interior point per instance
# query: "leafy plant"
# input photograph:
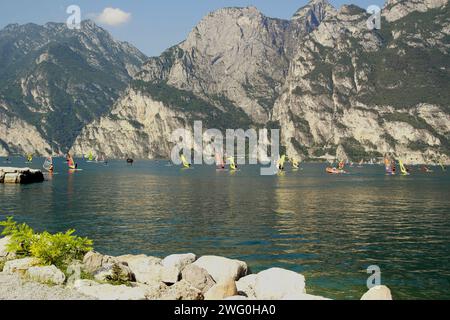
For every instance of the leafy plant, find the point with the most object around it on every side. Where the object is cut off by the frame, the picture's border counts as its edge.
(58, 249)
(22, 236)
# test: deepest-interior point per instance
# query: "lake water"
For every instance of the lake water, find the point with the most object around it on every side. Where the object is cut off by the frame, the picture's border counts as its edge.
(329, 228)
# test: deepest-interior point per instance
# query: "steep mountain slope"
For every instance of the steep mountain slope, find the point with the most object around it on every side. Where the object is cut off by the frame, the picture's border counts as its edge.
(334, 87)
(361, 93)
(228, 73)
(55, 80)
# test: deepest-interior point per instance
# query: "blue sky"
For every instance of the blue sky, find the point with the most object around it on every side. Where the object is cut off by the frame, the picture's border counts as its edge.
(153, 25)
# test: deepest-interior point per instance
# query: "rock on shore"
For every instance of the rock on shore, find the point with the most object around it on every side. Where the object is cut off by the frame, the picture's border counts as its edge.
(142, 277)
(20, 175)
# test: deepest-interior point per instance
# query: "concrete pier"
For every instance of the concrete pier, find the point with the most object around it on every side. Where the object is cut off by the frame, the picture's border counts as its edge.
(20, 175)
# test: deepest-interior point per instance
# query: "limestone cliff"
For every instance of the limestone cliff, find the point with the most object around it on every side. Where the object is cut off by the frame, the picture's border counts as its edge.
(334, 87)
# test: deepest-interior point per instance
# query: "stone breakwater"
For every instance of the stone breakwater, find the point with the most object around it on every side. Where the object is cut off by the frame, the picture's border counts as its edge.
(176, 277)
(20, 175)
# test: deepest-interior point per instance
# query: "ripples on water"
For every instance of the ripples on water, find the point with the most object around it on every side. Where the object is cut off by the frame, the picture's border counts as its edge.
(330, 228)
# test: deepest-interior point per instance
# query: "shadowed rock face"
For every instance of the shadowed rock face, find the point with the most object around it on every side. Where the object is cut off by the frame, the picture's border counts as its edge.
(331, 85)
(53, 81)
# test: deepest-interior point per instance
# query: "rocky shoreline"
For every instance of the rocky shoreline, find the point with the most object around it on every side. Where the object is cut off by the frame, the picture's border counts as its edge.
(141, 277)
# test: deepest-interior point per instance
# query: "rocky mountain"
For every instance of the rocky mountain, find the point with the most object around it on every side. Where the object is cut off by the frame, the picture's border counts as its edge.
(334, 87)
(359, 93)
(54, 81)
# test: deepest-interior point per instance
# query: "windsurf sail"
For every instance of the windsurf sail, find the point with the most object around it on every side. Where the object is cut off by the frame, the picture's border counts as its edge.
(219, 161)
(341, 165)
(90, 156)
(232, 163)
(186, 164)
(402, 167)
(70, 162)
(295, 164)
(281, 162)
(30, 158)
(48, 164)
(442, 166)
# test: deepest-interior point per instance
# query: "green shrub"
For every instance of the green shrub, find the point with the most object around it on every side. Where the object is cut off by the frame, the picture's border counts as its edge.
(58, 249)
(22, 236)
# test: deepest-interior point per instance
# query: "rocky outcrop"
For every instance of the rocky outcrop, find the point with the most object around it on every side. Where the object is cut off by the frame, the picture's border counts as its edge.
(17, 136)
(397, 9)
(20, 175)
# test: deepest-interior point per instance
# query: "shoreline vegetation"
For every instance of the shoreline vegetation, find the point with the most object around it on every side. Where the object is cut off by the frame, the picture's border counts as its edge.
(63, 266)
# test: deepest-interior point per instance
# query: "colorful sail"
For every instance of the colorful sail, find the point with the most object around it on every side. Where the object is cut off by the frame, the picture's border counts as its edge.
(90, 156)
(341, 165)
(30, 158)
(219, 161)
(70, 162)
(186, 164)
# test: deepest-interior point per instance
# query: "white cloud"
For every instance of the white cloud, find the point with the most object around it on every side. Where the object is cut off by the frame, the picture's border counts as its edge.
(113, 17)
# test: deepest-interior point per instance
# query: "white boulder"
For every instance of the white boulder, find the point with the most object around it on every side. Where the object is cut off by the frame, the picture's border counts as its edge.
(108, 291)
(93, 261)
(222, 269)
(246, 286)
(277, 283)
(3, 244)
(182, 290)
(197, 277)
(178, 261)
(222, 290)
(149, 270)
(19, 266)
(46, 274)
(378, 293)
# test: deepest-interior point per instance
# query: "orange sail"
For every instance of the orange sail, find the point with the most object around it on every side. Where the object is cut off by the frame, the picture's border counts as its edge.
(70, 162)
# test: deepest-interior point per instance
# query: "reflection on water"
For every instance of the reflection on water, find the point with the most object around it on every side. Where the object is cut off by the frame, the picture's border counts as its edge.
(330, 228)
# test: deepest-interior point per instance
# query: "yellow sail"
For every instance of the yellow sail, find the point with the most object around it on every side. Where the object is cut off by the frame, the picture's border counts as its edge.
(91, 156)
(281, 162)
(184, 161)
(402, 167)
(232, 163)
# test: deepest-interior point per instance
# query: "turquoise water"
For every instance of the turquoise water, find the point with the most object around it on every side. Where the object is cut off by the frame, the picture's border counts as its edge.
(330, 228)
